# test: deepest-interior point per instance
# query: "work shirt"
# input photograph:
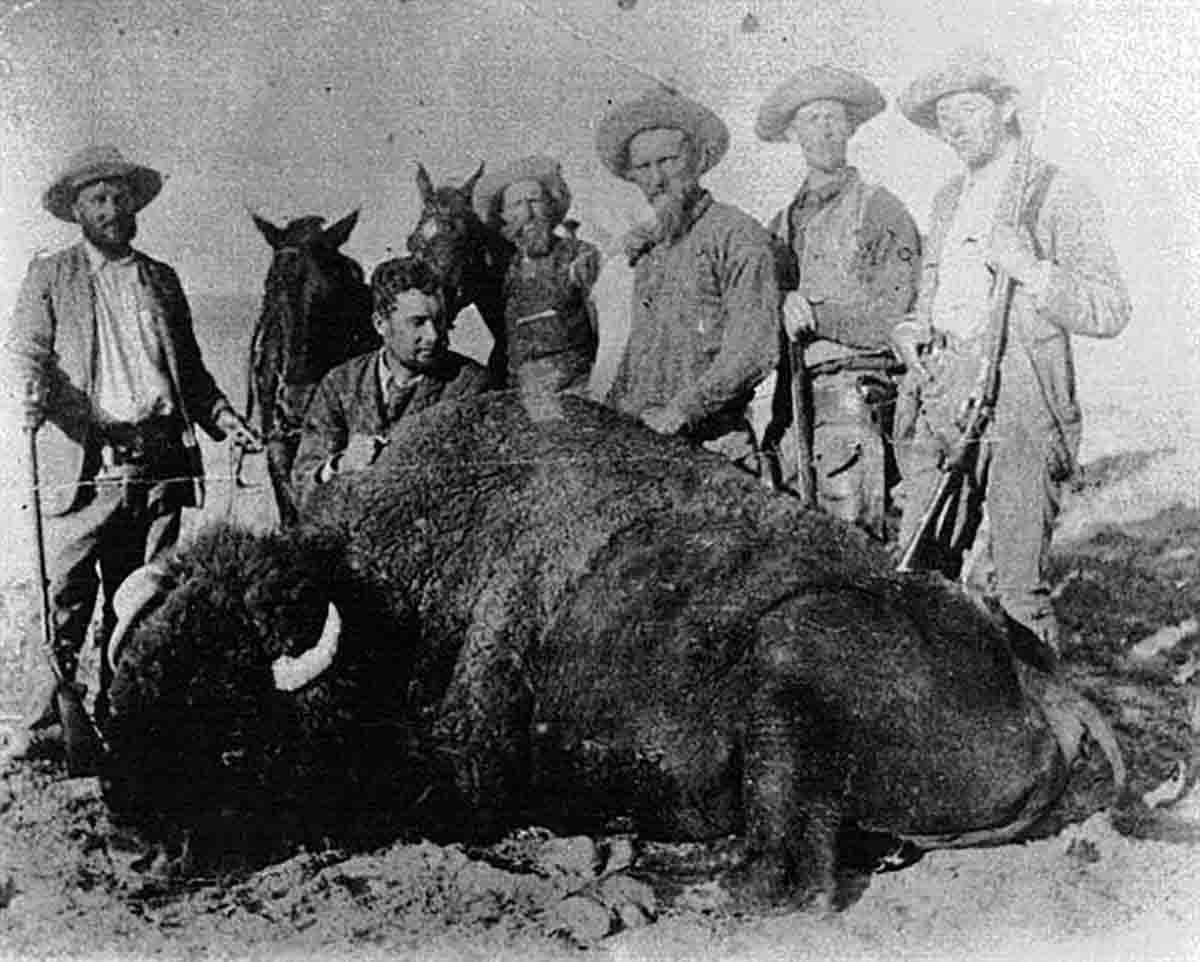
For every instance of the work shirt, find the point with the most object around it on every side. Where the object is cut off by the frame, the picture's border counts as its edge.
(704, 321)
(132, 384)
(961, 303)
(853, 251)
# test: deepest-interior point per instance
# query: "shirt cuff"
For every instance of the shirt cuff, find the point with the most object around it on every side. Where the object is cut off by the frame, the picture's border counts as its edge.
(328, 470)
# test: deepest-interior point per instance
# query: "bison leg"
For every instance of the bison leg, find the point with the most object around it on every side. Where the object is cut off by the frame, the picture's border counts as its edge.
(792, 786)
(484, 720)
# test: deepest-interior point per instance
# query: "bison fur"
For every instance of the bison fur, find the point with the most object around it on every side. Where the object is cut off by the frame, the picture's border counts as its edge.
(553, 615)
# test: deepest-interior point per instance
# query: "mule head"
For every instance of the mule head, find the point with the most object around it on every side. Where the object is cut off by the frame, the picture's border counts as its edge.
(449, 236)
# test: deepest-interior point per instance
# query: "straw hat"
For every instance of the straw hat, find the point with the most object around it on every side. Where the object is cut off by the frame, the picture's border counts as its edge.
(655, 109)
(862, 98)
(967, 68)
(99, 163)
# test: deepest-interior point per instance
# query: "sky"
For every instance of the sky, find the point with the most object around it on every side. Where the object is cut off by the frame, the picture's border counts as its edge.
(289, 108)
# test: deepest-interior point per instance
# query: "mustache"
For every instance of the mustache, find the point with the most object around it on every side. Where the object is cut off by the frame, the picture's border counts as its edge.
(534, 236)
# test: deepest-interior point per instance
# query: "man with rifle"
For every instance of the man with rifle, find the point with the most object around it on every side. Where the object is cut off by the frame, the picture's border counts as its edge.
(849, 256)
(113, 384)
(1017, 260)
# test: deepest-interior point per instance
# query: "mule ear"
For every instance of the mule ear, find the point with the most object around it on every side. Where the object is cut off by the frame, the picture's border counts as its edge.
(337, 234)
(468, 186)
(424, 184)
(272, 233)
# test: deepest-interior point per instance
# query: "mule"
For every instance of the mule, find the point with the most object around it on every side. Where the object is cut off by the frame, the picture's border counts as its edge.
(469, 258)
(316, 313)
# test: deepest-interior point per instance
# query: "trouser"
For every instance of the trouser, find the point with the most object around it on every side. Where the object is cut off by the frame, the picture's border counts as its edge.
(1003, 523)
(852, 457)
(96, 545)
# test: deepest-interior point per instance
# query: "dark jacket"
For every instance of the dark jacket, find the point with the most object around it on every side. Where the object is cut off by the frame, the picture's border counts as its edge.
(349, 400)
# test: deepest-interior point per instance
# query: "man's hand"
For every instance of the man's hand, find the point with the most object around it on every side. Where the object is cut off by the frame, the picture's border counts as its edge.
(906, 342)
(34, 397)
(360, 452)
(1011, 251)
(798, 318)
(584, 269)
(640, 239)
(664, 420)
(238, 431)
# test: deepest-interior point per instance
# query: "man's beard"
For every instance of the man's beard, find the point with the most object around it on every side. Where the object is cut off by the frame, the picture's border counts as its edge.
(534, 238)
(672, 213)
(115, 236)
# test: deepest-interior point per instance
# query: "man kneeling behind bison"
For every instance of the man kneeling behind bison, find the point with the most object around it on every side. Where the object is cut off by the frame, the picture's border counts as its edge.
(577, 623)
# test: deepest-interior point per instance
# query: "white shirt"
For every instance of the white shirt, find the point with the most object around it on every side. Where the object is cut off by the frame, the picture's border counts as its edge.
(964, 281)
(132, 383)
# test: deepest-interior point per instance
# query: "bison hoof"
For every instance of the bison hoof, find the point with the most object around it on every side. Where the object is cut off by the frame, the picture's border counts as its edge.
(770, 883)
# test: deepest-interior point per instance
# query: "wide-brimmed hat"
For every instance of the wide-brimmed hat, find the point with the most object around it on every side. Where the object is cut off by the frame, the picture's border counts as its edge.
(967, 68)
(99, 163)
(544, 170)
(655, 109)
(862, 98)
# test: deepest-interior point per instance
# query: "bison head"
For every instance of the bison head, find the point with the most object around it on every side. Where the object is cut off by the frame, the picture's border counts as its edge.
(217, 650)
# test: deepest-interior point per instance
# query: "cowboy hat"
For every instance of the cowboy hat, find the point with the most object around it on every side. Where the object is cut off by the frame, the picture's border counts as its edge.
(660, 108)
(544, 170)
(967, 68)
(863, 100)
(99, 163)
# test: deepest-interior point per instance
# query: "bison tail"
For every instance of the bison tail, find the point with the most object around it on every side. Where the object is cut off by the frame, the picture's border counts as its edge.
(1070, 715)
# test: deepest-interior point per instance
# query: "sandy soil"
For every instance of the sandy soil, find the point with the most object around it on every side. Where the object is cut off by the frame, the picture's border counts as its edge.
(1112, 887)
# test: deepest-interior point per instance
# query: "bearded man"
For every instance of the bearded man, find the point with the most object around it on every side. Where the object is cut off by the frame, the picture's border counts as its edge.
(705, 313)
(549, 318)
(114, 387)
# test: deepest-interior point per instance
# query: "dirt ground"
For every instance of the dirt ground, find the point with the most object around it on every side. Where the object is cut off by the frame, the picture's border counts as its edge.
(1127, 571)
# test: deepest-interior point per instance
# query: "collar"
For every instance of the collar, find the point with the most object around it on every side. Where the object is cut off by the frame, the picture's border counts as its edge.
(995, 171)
(698, 208)
(820, 196)
(97, 260)
(387, 380)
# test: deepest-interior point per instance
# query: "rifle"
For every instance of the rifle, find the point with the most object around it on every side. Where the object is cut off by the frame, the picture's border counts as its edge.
(930, 547)
(806, 474)
(83, 744)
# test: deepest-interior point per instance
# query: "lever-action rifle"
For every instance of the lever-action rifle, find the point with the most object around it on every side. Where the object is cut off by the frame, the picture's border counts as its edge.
(931, 546)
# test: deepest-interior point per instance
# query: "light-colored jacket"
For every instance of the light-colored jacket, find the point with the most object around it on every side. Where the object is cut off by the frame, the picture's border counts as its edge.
(53, 338)
(1085, 295)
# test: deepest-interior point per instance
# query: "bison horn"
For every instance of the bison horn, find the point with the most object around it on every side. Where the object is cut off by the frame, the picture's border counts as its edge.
(138, 592)
(291, 673)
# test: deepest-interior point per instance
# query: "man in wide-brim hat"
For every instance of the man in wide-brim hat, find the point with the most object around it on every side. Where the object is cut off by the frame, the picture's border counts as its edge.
(100, 163)
(849, 258)
(1012, 214)
(101, 341)
(550, 322)
(705, 307)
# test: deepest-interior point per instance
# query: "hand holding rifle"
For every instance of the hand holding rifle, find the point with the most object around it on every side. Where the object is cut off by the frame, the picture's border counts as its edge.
(1011, 257)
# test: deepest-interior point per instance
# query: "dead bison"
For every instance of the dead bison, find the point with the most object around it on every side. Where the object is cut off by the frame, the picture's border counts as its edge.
(552, 615)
